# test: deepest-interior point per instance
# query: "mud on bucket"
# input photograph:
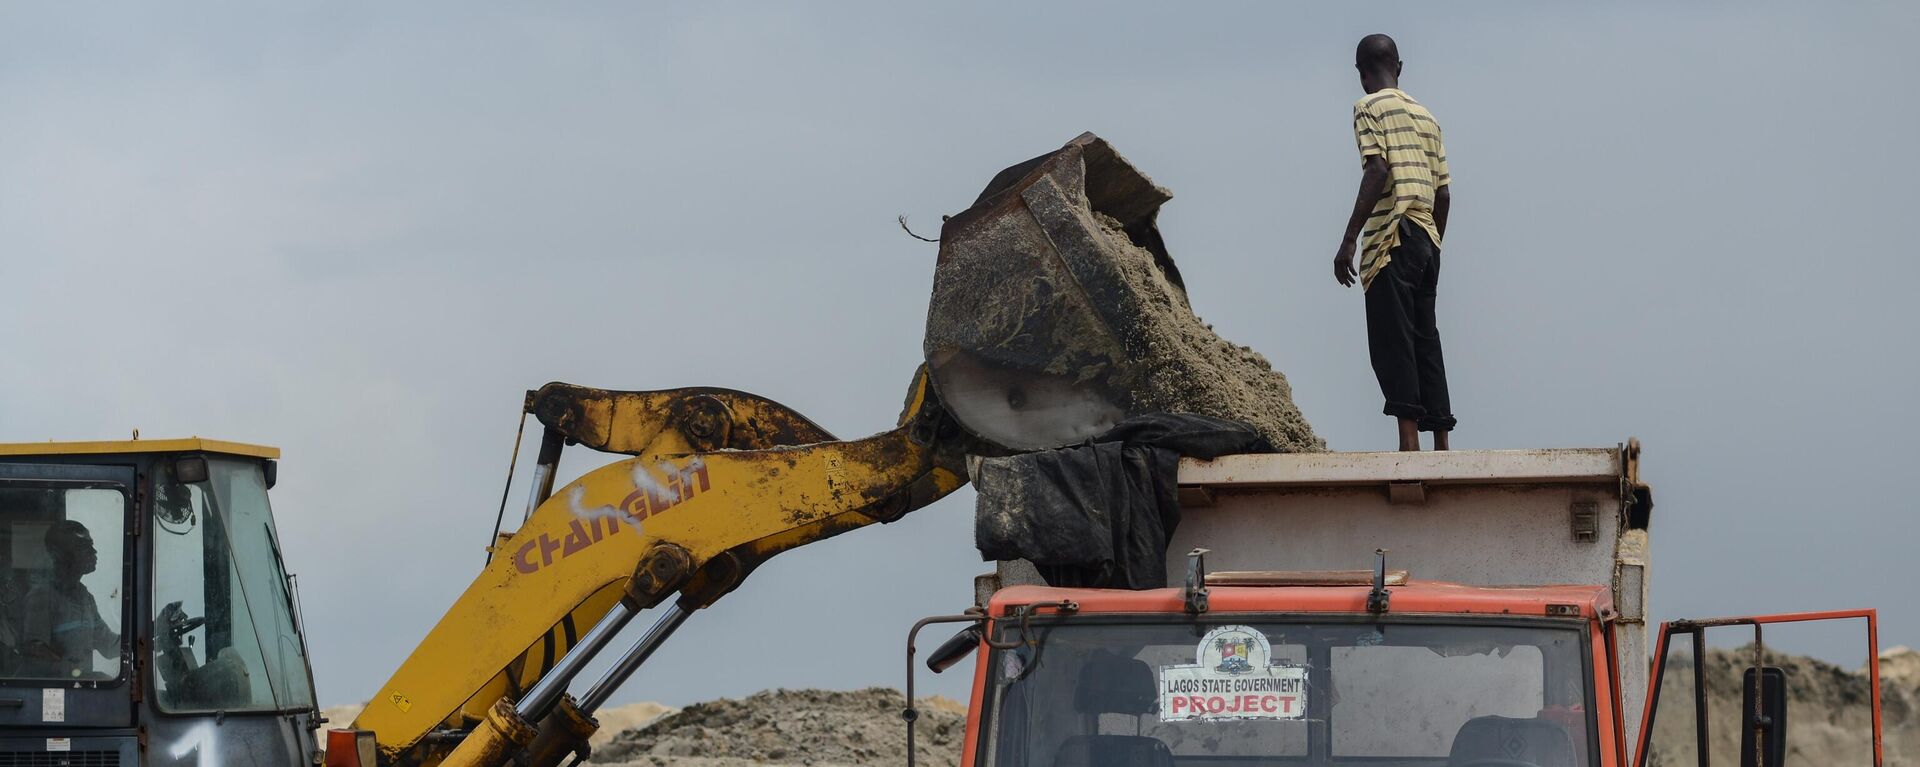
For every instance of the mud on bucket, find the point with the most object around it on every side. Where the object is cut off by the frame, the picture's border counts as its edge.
(1041, 295)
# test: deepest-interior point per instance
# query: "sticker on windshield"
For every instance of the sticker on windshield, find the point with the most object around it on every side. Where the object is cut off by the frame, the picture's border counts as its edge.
(1235, 678)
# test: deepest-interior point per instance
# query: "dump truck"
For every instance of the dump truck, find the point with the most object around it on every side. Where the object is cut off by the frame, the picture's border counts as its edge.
(1474, 608)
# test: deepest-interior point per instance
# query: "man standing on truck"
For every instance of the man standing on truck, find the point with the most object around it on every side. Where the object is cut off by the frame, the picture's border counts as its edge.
(1398, 222)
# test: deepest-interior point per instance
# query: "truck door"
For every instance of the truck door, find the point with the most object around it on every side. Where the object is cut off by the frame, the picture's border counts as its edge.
(1721, 695)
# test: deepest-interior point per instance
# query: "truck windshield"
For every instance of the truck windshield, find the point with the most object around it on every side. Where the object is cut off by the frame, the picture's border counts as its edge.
(62, 575)
(223, 636)
(1404, 693)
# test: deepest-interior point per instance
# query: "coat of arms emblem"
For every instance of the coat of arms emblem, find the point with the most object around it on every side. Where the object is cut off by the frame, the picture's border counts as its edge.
(1235, 653)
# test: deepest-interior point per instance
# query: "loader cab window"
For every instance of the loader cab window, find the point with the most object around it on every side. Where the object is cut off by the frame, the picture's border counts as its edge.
(62, 582)
(224, 636)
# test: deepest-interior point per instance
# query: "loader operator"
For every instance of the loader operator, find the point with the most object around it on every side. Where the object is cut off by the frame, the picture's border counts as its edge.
(61, 625)
(1398, 222)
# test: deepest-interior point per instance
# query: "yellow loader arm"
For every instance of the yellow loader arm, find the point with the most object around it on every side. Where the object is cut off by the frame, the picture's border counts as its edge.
(720, 481)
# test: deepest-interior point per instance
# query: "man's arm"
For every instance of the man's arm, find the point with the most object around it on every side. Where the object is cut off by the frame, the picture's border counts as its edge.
(173, 661)
(1442, 199)
(1374, 177)
(106, 641)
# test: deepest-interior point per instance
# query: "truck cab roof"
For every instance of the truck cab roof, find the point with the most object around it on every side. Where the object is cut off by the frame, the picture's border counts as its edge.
(1416, 597)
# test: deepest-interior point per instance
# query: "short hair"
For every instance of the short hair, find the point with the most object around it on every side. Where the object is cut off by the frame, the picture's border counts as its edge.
(1376, 51)
(67, 535)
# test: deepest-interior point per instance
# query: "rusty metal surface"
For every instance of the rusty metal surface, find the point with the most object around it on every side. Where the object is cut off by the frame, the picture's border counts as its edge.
(708, 418)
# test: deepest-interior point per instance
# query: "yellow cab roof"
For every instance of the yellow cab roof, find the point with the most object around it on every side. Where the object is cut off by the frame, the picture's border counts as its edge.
(186, 445)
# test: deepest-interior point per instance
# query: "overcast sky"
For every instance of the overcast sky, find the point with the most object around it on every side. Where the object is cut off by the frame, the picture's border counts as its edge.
(360, 232)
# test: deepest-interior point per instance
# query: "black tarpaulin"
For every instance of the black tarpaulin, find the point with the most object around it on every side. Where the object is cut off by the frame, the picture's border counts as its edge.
(1100, 514)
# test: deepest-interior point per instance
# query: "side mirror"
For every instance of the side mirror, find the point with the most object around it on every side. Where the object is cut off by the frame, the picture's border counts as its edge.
(956, 648)
(942, 658)
(1763, 701)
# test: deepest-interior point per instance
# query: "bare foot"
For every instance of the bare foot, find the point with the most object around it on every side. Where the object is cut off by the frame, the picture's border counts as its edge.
(1409, 435)
(1440, 440)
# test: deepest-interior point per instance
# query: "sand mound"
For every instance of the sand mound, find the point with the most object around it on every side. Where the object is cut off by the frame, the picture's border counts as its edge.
(619, 719)
(1900, 667)
(613, 720)
(813, 727)
(342, 715)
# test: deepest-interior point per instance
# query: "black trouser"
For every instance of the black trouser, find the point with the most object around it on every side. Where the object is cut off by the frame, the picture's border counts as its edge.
(1401, 336)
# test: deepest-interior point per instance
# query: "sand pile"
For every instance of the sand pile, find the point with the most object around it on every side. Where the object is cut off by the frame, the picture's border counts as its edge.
(1900, 666)
(1829, 719)
(613, 719)
(1188, 368)
(340, 716)
(801, 727)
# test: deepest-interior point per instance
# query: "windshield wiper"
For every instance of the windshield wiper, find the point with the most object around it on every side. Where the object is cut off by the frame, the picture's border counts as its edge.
(286, 579)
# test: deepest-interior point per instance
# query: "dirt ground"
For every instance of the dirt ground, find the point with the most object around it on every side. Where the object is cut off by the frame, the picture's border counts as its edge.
(801, 727)
(614, 720)
(1829, 720)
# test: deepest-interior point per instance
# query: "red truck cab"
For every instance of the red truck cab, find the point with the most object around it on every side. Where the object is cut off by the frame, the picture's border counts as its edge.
(1516, 636)
(1445, 674)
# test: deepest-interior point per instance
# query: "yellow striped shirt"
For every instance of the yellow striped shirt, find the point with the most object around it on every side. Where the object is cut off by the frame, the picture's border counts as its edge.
(1390, 123)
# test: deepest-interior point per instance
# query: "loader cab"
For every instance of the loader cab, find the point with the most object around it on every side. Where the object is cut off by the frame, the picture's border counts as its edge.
(146, 615)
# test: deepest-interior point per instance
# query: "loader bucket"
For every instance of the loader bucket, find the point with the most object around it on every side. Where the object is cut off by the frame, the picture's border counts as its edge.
(1057, 312)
